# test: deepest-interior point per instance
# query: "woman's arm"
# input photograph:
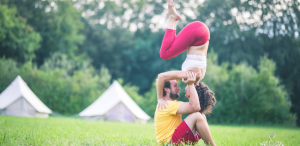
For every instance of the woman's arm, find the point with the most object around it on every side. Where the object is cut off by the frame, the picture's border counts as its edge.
(193, 105)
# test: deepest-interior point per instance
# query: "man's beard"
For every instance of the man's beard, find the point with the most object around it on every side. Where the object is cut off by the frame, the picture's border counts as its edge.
(173, 96)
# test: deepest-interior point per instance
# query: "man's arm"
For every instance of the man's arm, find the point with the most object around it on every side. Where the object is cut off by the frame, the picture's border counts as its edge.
(160, 81)
(163, 77)
(173, 75)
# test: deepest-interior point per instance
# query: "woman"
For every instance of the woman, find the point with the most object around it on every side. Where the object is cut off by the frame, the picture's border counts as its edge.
(194, 38)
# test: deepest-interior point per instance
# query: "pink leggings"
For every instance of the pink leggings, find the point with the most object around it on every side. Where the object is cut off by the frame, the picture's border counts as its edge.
(194, 34)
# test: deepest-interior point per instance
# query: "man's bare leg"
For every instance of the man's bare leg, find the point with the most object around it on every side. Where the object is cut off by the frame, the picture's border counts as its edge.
(197, 121)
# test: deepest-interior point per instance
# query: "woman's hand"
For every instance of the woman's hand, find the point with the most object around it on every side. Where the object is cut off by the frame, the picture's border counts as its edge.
(191, 78)
(161, 103)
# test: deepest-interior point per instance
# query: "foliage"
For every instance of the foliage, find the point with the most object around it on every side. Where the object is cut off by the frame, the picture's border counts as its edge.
(57, 22)
(17, 39)
(105, 47)
(245, 95)
(150, 101)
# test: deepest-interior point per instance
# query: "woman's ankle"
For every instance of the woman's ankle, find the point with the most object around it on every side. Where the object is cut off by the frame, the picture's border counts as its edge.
(172, 18)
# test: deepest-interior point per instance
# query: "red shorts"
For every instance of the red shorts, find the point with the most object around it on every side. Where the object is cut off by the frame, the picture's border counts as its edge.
(184, 134)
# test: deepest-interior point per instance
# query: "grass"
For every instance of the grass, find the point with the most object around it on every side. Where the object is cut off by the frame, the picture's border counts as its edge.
(67, 131)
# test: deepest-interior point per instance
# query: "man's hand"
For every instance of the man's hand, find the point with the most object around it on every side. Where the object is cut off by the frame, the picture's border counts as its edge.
(161, 103)
(191, 78)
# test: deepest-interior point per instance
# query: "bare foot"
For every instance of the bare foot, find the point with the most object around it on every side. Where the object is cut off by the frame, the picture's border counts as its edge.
(171, 10)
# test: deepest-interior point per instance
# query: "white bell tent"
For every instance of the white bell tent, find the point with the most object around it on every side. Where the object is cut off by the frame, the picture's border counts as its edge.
(115, 105)
(18, 100)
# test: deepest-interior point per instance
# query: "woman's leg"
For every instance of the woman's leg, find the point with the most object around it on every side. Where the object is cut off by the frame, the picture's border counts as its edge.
(170, 33)
(194, 34)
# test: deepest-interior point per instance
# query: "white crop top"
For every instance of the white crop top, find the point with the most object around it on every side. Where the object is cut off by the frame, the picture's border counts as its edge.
(193, 60)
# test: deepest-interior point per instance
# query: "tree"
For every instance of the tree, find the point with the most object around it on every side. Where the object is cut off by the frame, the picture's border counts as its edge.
(17, 39)
(245, 95)
(58, 23)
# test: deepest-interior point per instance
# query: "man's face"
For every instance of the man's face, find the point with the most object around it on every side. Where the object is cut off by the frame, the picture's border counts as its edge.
(174, 92)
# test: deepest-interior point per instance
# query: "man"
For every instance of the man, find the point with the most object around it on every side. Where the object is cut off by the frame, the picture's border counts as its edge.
(169, 127)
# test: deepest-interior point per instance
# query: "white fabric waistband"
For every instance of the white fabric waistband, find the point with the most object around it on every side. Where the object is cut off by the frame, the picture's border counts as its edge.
(195, 57)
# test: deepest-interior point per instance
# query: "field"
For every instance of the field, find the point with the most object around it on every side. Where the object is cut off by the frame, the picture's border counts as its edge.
(67, 131)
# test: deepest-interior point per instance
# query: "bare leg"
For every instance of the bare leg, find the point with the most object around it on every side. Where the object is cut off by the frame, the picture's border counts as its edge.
(173, 16)
(171, 23)
(198, 121)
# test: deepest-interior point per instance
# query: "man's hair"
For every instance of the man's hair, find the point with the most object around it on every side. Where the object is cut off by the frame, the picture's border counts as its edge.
(167, 85)
(206, 97)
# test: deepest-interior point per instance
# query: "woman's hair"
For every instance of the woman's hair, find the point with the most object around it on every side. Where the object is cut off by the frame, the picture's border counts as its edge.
(206, 97)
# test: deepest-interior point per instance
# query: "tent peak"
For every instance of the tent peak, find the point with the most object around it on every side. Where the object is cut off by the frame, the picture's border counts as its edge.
(19, 80)
(19, 77)
(116, 82)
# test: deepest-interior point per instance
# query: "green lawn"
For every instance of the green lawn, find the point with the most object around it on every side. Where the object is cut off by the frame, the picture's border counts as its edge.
(65, 131)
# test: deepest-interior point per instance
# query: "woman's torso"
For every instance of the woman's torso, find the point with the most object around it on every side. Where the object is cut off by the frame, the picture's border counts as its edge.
(196, 59)
(198, 50)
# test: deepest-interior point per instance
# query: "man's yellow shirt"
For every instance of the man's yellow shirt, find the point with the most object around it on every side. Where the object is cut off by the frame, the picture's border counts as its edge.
(166, 121)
